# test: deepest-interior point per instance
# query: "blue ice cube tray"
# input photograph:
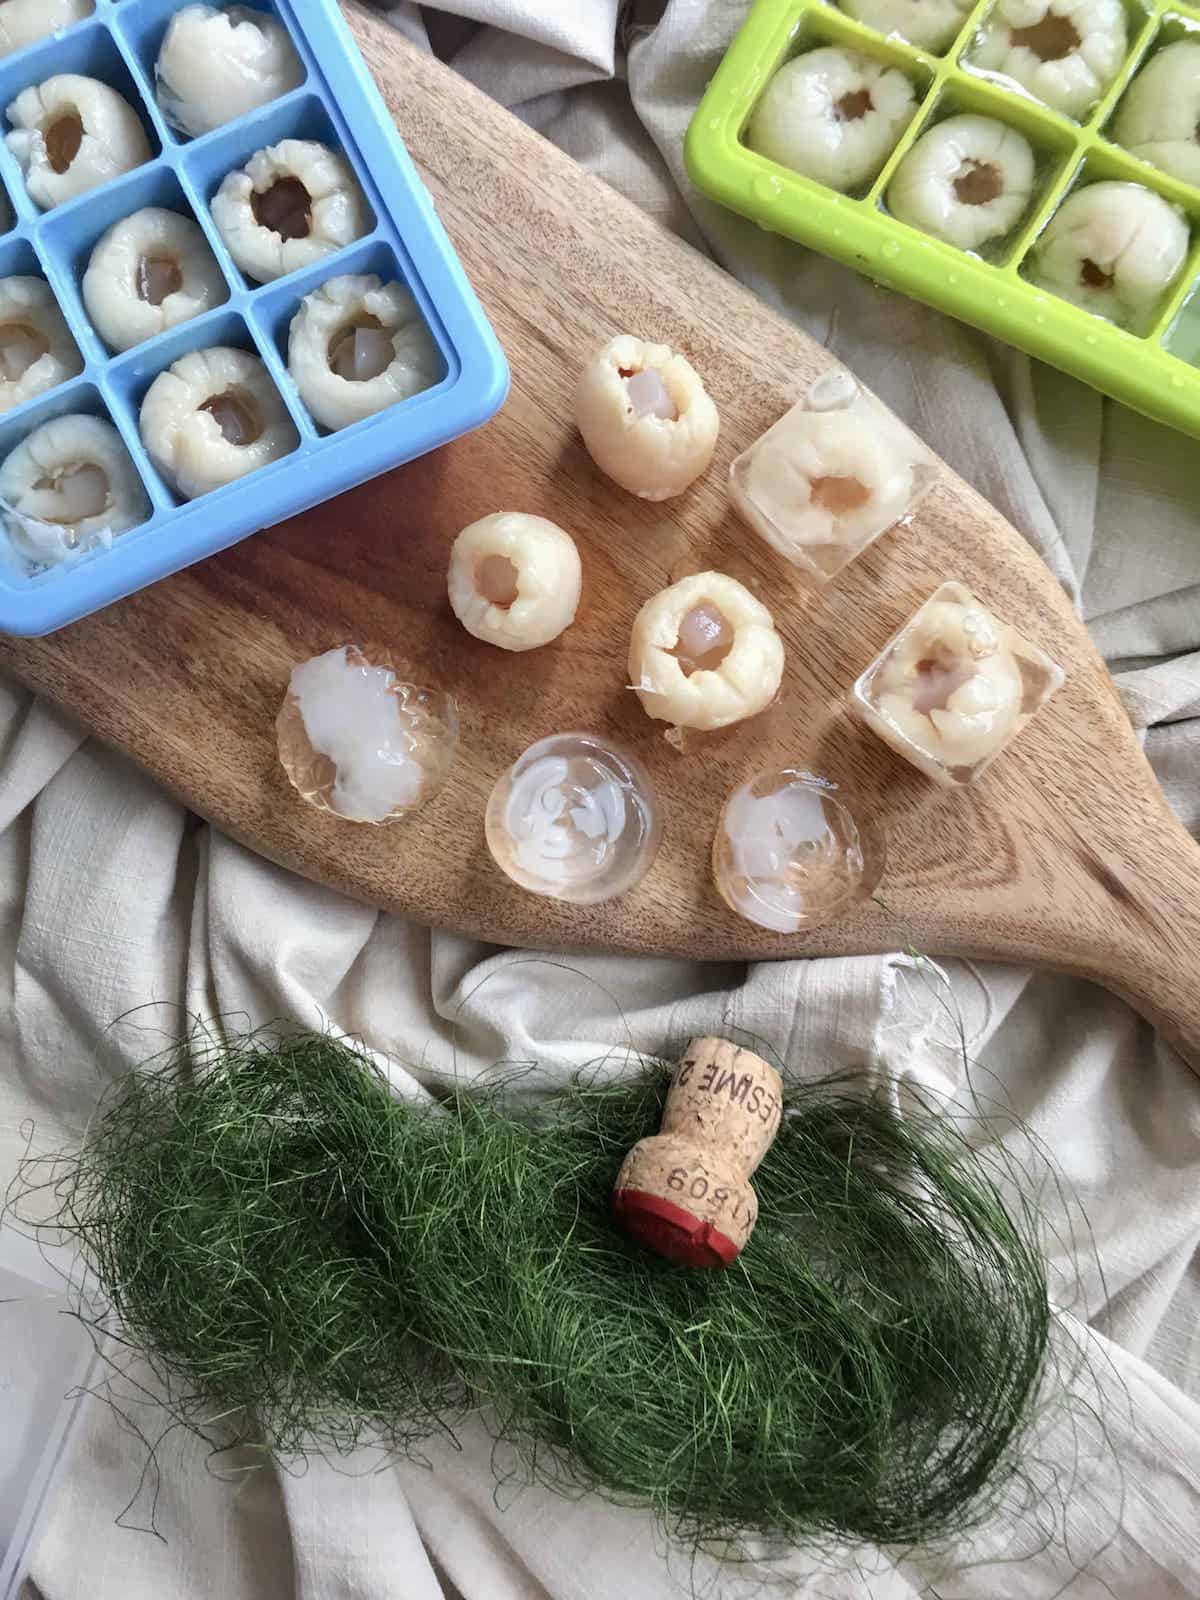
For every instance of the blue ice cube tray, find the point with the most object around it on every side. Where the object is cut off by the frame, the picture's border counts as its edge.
(339, 105)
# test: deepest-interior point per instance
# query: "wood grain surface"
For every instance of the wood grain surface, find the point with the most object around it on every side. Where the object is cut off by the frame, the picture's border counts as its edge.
(1065, 855)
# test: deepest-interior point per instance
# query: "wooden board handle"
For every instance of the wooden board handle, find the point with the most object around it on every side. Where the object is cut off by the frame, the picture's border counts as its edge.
(1065, 855)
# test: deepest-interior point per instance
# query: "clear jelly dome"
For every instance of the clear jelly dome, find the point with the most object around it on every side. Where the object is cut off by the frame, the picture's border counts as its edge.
(359, 742)
(575, 818)
(790, 854)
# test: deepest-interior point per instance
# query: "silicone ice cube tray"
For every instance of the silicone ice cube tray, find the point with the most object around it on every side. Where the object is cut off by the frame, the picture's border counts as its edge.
(1156, 372)
(337, 104)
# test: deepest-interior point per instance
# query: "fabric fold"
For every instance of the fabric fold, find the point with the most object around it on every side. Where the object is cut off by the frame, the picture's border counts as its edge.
(114, 904)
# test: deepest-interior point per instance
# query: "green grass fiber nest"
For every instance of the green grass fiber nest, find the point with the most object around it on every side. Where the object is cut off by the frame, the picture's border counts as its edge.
(318, 1263)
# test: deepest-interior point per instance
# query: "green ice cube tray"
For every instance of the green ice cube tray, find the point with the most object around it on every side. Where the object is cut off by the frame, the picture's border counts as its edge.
(1156, 371)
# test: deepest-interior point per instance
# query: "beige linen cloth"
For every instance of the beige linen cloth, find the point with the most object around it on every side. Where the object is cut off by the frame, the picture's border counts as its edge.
(113, 896)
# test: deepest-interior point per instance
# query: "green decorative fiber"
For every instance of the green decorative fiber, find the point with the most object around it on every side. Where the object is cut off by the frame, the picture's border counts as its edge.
(313, 1262)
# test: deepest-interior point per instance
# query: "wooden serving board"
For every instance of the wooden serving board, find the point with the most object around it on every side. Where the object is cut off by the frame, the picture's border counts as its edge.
(1065, 855)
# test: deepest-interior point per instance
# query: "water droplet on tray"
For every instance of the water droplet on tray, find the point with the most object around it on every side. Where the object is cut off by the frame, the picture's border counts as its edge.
(832, 391)
(890, 248)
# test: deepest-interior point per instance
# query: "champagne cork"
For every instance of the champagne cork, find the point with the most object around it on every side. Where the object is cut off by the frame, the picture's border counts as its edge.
(686, 1192)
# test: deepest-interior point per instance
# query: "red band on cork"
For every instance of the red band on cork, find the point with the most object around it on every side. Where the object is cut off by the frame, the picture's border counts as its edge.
(670, 1231)
(685, 1191)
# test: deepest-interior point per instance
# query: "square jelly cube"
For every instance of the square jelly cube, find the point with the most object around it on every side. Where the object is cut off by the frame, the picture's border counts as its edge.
(954, 687)
(832, 475)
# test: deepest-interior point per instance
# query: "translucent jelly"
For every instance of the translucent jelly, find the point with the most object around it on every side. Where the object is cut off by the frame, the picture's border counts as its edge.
(575, 818)
(832, 475)
(790, 854)
(358, 742)
(954, 687)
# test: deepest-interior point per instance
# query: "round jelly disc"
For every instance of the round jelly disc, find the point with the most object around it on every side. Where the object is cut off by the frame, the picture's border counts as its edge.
(574, 818)
(358, 741)
(789, 852)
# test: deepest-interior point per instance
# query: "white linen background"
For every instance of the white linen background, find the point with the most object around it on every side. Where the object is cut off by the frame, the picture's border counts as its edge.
(111, 895)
